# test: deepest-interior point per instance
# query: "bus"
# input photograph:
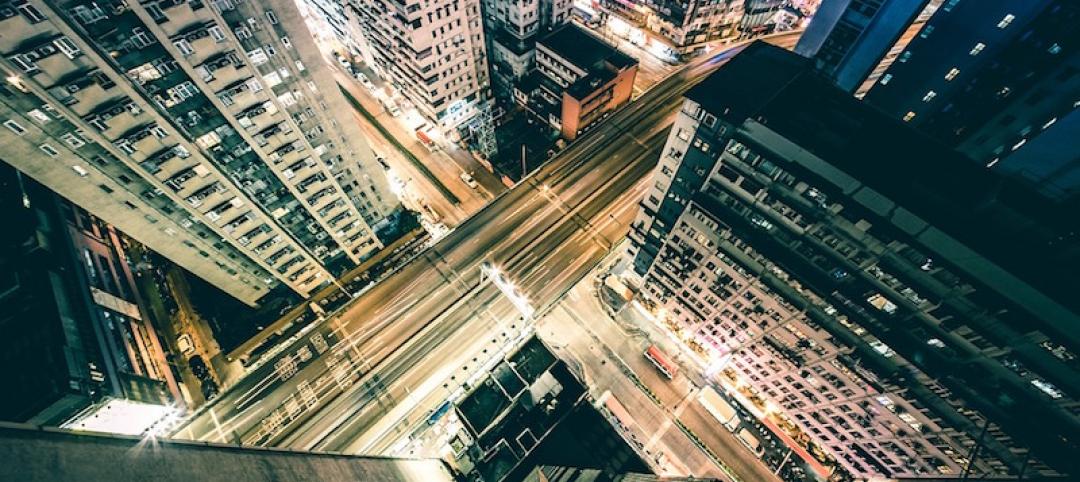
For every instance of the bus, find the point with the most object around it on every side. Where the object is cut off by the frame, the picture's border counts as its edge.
(661, 361)
(719, 408)
(611, 405)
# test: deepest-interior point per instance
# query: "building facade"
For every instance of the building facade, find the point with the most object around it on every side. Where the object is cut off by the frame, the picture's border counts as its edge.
(75, 332)
(903, 308)
(578, 80)
(854, 41)
(205, 131)
(434, 55)
(990, 78)
(512, 28)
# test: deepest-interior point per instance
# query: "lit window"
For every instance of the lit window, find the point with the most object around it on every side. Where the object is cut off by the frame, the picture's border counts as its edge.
(904, 57)
(1054, 49)
(929, 96)
(949, 5)
(885, 79)
(39, 116)
(977, 48)
(926, 31)
(952, 73)
(1005, 21)
(910, 115)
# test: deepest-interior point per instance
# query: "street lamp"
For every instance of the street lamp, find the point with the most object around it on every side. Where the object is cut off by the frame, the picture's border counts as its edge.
(508, 289)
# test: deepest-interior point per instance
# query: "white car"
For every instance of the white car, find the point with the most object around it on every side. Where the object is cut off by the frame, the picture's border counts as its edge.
(365, 81)
(469, 181)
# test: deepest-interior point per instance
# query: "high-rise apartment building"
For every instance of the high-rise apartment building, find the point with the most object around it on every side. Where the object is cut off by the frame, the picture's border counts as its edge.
(77, 339)
(995, 80)
(990, 78)
(911, 312)
(207, 131)
(433, 54)
(696, 22)
(681, 28)
(512, 28)
(853, 41)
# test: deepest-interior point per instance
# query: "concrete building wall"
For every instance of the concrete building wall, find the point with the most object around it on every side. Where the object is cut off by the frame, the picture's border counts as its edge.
(210, 116)
(50, 455)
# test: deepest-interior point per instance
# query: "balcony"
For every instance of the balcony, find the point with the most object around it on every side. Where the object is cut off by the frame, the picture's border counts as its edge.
(82, 90)
(221, 69)
(199, 41)
(239, 92)
(166, 162)
(18, 24)
(257, 117)
(139, 142)
(114, 117)
(179, 13)
(48, 58)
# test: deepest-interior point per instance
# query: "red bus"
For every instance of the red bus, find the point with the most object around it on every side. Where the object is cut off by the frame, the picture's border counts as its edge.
(661, 361)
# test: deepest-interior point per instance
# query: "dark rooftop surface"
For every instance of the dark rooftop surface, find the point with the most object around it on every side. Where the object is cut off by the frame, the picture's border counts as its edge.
(584, 49)
(1030, 236)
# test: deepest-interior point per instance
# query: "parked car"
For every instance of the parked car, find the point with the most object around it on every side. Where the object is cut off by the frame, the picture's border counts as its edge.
(469, 181)
(199, 368)
(365, 81)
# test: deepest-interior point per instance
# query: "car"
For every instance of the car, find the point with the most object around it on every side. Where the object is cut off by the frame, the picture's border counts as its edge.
(199, 368)
(469, 181)
(185, 345)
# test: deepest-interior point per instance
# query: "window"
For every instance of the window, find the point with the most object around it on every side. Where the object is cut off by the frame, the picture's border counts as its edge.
(1054, 49)
(25, 63)
(242, 33)
(286, 42)
(299, 66)
(140, 39)
(270, 50)
(80, 171)
(885, 79)
(258, 57)
(910, 115)
(217, 34)
(184, 47)
(67, 47)
(73, 140)
(254, 85)
(271, 17)
(107, 189)
(904, 56)
(32, 14)
(952, 73)
(949, 5)
(926, 31)
(15, 127)
(1006, 20)
(50, 150)
(39, 116)
(977, 48)
(929, 96)
(682, 134)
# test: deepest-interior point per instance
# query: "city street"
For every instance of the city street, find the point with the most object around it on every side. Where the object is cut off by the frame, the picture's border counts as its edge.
(445, 169)
(333, 386)
(581, 330)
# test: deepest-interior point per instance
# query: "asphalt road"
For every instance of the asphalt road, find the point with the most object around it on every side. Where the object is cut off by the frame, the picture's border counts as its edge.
(335, 386)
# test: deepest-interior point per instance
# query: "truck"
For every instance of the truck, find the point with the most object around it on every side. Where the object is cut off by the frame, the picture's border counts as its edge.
(719, 408)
